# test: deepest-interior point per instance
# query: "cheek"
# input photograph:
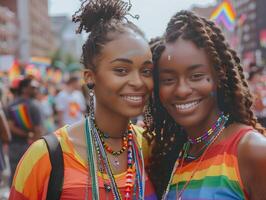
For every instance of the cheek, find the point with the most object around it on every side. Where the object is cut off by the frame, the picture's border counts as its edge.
(206, 86)
(105, 90)
(149, 84)
(165, 93)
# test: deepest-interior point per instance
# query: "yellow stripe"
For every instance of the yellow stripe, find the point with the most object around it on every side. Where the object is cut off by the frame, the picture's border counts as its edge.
(30, 158)
(230, 13)
(142, 141)
(217, 170)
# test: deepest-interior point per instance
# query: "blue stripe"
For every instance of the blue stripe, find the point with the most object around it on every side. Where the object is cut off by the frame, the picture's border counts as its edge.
(207, 193)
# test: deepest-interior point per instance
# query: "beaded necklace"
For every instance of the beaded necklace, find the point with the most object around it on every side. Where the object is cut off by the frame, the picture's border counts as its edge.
(181, 157)
(109, 149)
(222, 121)
(134, 156)
(205, 136)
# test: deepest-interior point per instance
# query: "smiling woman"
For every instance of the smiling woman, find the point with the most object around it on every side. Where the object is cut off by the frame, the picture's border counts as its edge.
(208, 144)
(103, 157)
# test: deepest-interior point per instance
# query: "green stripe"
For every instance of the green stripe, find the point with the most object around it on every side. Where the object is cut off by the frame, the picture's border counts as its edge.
(210, 181)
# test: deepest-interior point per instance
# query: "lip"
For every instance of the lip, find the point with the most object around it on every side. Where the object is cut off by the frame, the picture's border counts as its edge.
(134, 99)
(187, 107)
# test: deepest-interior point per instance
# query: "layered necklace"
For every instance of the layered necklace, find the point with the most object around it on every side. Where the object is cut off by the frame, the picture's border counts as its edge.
(98, 161)
(209, 137)
(126, 138)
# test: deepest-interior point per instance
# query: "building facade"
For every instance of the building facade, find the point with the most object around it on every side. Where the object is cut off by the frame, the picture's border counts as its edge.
(67, 41)
(35, 38)
(252, 30)
(8, 33)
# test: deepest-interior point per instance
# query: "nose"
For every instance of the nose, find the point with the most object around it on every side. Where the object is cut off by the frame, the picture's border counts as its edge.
(136, 80)
(183, 89)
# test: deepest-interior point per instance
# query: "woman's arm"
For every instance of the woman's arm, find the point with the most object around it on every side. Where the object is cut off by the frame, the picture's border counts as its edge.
(252, 164)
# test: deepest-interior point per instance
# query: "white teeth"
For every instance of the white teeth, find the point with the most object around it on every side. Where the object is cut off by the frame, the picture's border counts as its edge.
(133, 98)
(187, 105)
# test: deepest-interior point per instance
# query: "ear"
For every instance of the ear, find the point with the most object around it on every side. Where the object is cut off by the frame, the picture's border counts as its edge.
(89, 76)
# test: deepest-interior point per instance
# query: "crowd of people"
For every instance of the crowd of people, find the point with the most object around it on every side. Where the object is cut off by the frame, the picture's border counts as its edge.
(173, 118)
(31, 108)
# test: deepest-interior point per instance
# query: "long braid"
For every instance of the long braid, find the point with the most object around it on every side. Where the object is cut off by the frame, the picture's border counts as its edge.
(166, 138)
(245, 93)
(233, 93)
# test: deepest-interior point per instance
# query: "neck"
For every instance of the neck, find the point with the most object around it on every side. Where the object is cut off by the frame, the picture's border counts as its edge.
(203, 126)
(113, 124)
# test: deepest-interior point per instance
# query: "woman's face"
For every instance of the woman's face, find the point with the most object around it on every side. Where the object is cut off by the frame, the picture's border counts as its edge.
(187, 84)
(123, 78)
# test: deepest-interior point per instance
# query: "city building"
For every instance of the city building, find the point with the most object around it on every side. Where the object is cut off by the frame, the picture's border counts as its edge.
(35, 38)
(8, 38)
(7, 31)
(66, 39)
(252, 32)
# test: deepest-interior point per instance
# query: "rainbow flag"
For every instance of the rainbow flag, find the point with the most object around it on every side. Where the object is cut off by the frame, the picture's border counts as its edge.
(58, 76)
(14, 71)
(225, 13)
(21, 116)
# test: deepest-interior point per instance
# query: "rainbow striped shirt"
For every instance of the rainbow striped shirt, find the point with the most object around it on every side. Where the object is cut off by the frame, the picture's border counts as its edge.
(217, 176)
(32, 175)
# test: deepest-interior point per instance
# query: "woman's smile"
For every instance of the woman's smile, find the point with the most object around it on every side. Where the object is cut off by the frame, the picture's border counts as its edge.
(187, 107)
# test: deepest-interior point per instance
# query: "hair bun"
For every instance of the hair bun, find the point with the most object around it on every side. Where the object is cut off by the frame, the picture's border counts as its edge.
(95, 12)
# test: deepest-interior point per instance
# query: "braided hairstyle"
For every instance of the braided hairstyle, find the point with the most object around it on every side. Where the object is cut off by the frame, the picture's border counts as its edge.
(102, 19)
(234, 97)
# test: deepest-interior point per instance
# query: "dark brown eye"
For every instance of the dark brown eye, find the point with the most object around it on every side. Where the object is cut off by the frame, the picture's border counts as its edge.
(197, 76)
(121, 71)
(147, 72)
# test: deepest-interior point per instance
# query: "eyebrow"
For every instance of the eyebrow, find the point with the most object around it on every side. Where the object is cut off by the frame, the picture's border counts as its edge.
(147, 62)
(190, 68)
(130, 61)
(195, 66)
(122, 60)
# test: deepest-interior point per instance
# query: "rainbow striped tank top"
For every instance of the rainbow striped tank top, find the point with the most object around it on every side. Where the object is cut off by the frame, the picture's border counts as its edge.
(217, 176)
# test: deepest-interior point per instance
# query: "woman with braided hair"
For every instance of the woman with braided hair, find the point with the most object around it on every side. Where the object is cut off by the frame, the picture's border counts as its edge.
(207, 144)
(103, 154)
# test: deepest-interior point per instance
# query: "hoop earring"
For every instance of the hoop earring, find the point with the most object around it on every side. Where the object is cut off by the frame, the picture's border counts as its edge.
(91, 100)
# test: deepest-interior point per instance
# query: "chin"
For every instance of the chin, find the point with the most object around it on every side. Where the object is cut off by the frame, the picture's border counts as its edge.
(188, 121)
(131, 113)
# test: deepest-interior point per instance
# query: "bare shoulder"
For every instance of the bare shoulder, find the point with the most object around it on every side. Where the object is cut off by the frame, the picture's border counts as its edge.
(253, 144)
(76, 130)
(252, 163)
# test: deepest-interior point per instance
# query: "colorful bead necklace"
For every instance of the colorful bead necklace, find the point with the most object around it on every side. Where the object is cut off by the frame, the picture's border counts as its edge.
(134, 157)
(109, 149)
(222, 123)
(182, 155)
(205, 136)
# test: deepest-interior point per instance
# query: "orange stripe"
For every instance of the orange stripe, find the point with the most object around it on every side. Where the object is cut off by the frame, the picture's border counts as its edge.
(228, 160)
(38, 177)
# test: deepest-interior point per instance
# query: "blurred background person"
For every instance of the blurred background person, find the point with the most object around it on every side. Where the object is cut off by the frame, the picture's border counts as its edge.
(258, 87)
(46, 107)
(70, 103)
(5, 136)
(25, 121)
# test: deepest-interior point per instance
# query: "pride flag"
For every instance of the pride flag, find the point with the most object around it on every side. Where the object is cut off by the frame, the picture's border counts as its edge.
(224, 13)
(21, 116)
(58, 76)
(14, 71)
